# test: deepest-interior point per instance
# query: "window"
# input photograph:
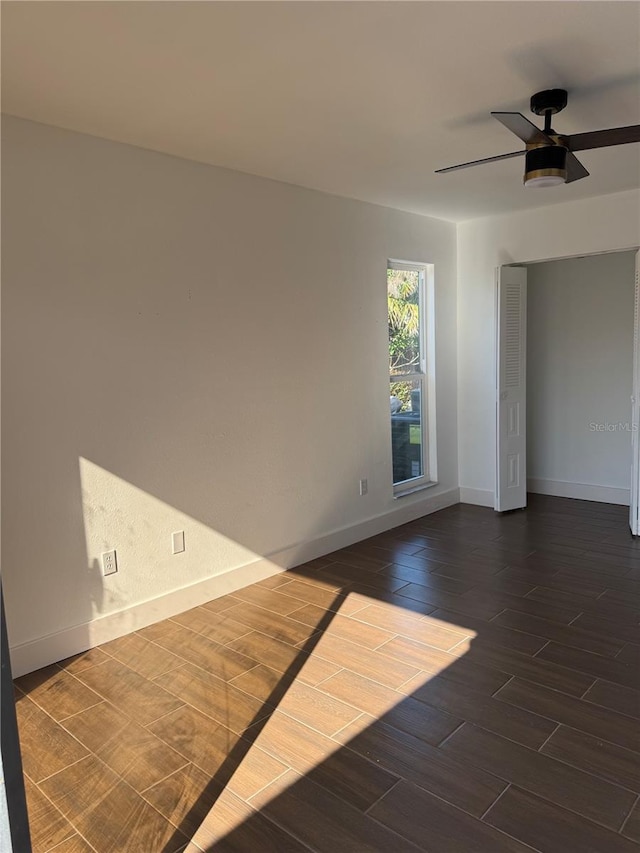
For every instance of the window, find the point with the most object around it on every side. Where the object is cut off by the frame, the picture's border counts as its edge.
(410, 299)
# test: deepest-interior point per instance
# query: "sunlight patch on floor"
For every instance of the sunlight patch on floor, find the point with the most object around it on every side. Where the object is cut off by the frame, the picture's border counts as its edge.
(322, 710)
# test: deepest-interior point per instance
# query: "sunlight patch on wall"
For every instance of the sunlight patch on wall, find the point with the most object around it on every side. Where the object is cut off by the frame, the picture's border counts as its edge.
(139, 527)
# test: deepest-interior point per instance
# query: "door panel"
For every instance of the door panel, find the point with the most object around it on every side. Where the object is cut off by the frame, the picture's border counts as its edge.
(635, 411)
(511, 421)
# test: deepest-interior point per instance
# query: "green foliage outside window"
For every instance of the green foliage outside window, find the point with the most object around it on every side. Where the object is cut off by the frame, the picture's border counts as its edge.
(404, 329)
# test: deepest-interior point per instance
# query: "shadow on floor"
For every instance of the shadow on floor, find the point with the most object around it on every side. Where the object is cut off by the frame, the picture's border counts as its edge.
(421, 737)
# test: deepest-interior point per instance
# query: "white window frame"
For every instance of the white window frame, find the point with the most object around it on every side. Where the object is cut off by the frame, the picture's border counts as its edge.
(426, 375)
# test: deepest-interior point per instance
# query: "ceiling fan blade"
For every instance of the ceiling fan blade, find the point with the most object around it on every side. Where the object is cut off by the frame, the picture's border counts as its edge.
(575, 169)
(479, 162)
(603, 138)
(523, 128)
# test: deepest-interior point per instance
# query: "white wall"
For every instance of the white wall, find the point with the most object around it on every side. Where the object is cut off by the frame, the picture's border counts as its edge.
(579, 376)
(608, 223)
(187, 347)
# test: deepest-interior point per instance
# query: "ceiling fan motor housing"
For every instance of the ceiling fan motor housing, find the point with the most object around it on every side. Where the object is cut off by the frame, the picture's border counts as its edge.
(545, 165)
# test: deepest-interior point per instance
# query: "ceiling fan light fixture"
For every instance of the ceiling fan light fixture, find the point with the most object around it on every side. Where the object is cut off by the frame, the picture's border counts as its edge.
(550, 158)
(545, 166)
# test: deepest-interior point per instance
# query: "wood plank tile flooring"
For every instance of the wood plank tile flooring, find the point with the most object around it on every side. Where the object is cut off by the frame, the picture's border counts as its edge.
(466, 682)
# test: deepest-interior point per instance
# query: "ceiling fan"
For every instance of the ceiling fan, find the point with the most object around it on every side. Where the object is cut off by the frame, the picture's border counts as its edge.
(549, 157)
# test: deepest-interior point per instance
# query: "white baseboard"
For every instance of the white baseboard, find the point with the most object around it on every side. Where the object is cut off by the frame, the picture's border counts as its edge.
(478, 497)
(43, 651)
(581, 491)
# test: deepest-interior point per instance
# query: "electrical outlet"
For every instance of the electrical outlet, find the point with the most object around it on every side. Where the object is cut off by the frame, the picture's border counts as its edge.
(109, 563)
(364, 487)
(177, 542)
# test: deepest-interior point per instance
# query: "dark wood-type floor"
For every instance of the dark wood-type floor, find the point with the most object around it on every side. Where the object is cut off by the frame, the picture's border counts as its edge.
(467, 682)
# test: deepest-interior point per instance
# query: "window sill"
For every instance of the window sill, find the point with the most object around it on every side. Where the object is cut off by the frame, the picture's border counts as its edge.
(411, 490)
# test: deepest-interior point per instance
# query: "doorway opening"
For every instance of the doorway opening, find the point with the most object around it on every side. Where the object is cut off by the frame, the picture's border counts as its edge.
(565, 424)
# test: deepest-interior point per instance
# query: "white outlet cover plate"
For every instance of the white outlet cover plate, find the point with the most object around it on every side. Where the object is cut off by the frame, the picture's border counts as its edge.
(177, 542)
(109, 563)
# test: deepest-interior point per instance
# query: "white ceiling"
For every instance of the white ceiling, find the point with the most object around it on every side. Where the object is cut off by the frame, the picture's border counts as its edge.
(360, 99)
